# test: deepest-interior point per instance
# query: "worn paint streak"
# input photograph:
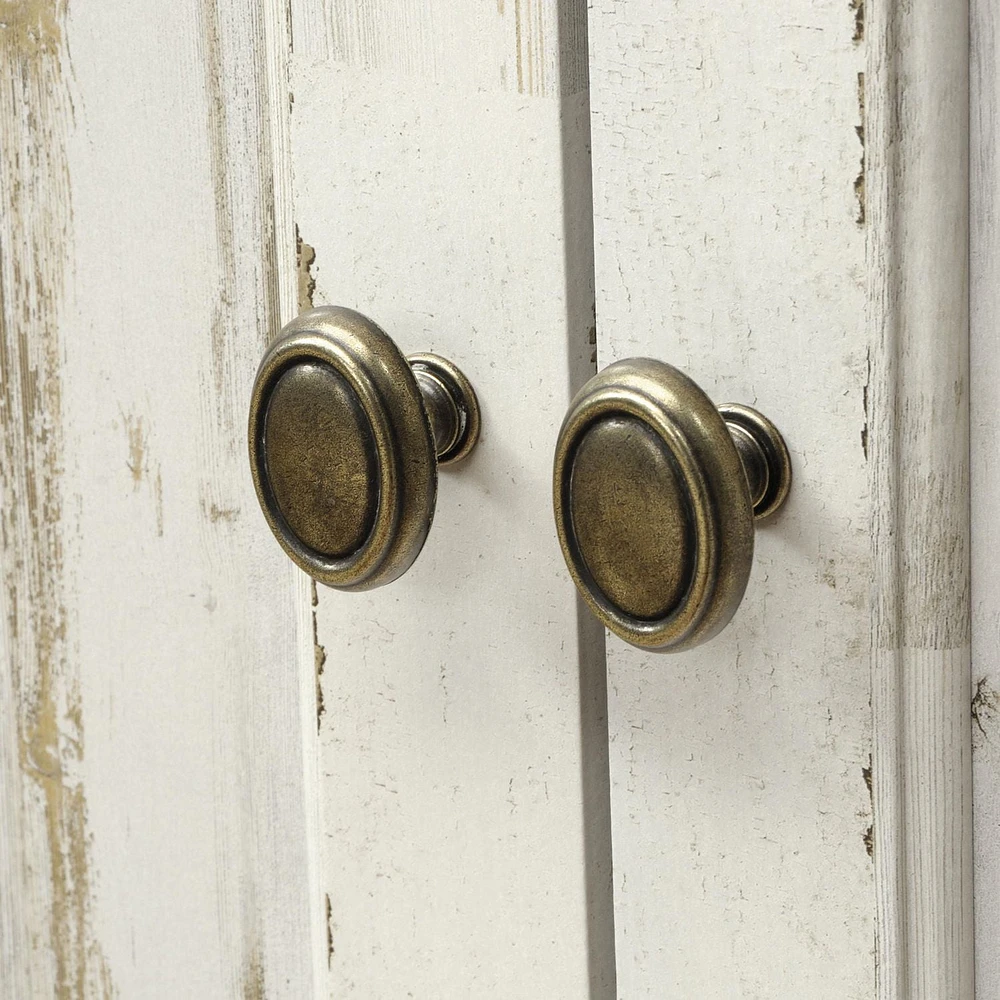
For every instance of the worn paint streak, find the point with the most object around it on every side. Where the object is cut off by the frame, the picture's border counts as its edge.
(218, 133)
(214, 513)
(139, 464)
(529, 37)
(305, 257)
(239, 276)
(254, 986)
(158, 499)
(35, 220)
(319, 658)
(137, 444)
(859, 181)
(519, 43)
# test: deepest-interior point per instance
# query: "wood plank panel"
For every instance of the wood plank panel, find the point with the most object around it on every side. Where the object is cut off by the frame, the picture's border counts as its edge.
(917, 133)
(442, 182)
(780, 211)
(153, 820)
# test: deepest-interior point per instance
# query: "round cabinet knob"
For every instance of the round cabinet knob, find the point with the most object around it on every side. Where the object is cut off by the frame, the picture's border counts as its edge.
(345, 436)
(655, 493)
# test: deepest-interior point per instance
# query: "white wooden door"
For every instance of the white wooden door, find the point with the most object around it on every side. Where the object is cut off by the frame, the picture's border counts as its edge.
(215, 781)
(219, 781)
(781, 209)
(442, 187)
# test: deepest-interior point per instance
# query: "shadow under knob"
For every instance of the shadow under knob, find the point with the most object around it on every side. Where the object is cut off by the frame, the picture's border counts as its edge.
(345, 437)
(655, 493)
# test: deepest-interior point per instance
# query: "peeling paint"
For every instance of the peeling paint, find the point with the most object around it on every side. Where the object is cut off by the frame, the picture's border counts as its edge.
(859, 181)
(65, 960)
(864, 403)
(319, 659)
(869, 835)
(858, 9)
(985, 707)
(329, 931)
(305, 257)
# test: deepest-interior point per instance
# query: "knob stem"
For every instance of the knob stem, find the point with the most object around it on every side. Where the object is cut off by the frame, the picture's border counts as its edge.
(763, 454)
(442, 409)
(451, 406)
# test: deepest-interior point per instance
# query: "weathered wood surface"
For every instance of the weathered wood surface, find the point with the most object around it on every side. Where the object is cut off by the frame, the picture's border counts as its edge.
(917, 173)
(780, 209)
(153, 642)
(985, 387)
(442, 182)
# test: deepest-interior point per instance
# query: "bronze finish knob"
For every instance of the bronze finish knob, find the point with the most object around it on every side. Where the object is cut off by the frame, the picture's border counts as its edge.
(345, 437)
(656, 492)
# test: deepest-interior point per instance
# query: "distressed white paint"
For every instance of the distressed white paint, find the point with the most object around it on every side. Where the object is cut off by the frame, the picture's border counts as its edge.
(156, 689)
(153, 832)
(985, 387)
(735, 239)
(464, 782)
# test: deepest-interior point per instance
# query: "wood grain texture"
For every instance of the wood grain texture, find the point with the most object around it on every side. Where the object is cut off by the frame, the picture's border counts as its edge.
(154, 827)
(464, 751)
(985, 392)
(779, 210)
(536, 47)
(47, 945)
(917, 136)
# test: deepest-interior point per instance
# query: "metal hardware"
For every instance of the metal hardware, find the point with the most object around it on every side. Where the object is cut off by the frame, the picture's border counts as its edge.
(655, 493)
(345, 437)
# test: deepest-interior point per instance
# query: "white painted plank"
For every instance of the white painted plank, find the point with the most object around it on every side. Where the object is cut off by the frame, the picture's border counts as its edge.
(985, 388)
(153, 833)
(917, 100)
(738, 238)
(442, 176)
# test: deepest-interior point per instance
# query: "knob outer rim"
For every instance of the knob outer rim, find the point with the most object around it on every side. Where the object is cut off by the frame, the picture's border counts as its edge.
(717, 495)
(374, 367)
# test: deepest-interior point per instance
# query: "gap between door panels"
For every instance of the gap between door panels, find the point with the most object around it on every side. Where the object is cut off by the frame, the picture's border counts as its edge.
(581, 359)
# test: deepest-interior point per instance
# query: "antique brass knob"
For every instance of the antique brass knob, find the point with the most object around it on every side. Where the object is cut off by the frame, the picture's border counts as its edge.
(656, 492)
(345, 437)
